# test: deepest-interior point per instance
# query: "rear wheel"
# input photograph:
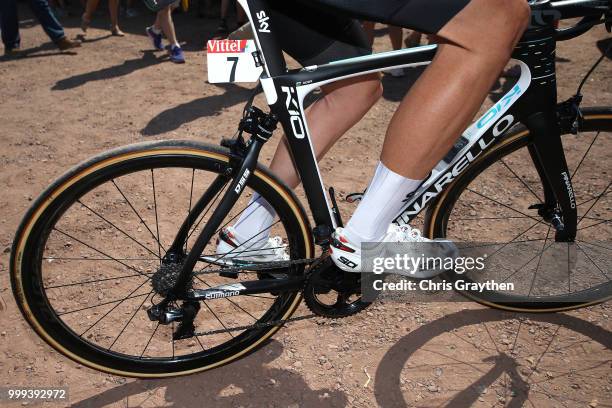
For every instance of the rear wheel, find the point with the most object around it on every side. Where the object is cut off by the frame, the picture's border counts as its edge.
(85, 253)
(491, 203)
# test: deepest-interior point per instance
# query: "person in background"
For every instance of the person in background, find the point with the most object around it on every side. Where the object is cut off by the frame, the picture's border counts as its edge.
(223, 30)
(130, 10)
(164, 24)
(9, 25)
(395, 35)
(113, 10)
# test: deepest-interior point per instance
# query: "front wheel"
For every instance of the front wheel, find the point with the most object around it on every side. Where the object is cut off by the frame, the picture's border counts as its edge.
(493, 204)
(85, 254)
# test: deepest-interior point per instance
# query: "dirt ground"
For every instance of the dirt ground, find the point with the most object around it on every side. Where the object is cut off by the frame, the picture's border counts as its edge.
(58, 109)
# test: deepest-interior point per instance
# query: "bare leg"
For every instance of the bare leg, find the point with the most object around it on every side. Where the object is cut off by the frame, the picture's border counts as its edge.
(480, 40)
(368, 27)
(90, 8)
(113, 9)
(164, 22)
(395, 35)
(344, 104)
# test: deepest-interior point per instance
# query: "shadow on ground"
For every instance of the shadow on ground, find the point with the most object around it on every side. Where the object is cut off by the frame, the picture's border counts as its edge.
(387, 384)
(247, 382)
(147, 59)
(173, 118)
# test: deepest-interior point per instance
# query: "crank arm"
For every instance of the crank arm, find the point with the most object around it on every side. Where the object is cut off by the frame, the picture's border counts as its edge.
(246, 288)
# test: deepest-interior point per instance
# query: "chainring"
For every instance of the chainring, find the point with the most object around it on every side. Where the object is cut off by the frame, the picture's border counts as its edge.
(332, 293)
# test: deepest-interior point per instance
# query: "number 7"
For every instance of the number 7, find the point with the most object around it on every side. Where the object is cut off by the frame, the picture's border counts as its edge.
(234, 60)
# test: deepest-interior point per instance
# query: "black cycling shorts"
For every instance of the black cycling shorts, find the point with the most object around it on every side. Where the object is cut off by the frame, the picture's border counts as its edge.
(315, 32)
(315, 38)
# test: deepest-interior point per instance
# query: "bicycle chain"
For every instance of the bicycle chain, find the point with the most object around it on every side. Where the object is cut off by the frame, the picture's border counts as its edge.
(260, 267)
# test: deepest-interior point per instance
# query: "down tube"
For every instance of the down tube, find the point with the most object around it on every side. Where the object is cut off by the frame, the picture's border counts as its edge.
(479, 137)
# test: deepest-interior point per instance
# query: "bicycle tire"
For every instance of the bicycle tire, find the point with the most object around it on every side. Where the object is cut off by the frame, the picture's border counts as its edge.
(26, 255)
(438, 213)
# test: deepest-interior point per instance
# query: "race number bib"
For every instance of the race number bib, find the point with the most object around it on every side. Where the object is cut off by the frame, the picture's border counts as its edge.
(232, 61)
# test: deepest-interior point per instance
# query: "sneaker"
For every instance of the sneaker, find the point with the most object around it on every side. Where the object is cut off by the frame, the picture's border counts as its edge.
(156, 39)
(395, 72)
(13, 52)
(66, 44)
(176, 55)
(230, 251)
(347, 256)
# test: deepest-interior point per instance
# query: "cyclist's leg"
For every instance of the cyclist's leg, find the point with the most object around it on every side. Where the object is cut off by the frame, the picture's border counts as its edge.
(344, 103)
(479, 41)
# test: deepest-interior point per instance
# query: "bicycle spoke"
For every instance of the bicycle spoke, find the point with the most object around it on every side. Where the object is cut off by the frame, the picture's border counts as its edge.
(156, 219)
(539, 262)
(210, 264)
(101, 253)
(592, 198)
(149, 341)
(136, 212)
(232, 302)
(527, 263)
(113, 308)
(593, 262)
(503, 205)
(584, 156)
(521, 180)
(593, 225)
(117, 228)
(190, 199)
(54, 258)
(596, 201)
(100, 304)
(217, 317)
(93, 281)
(595, 245)
(129, 321)
(210, 206)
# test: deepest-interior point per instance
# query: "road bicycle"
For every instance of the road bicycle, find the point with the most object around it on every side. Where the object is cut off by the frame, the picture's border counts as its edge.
(112, 263)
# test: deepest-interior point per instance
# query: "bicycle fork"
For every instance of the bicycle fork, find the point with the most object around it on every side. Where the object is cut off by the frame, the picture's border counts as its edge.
(260, 126)
(559, 207)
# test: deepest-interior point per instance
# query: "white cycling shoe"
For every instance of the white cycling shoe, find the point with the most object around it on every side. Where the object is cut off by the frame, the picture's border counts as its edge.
(348, 257)
(234, 251)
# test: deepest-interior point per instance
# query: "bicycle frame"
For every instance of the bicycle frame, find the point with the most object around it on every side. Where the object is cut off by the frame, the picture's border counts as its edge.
(285, 92)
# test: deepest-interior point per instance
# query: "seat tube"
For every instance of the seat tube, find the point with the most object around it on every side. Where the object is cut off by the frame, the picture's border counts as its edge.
(262, 25)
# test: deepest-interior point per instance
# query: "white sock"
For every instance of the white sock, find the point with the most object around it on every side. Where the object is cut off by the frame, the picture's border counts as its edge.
(155, 30)
(255, 220)
(380, 205)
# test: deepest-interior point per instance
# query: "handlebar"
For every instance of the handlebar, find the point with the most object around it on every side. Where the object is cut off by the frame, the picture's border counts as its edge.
(591, 12)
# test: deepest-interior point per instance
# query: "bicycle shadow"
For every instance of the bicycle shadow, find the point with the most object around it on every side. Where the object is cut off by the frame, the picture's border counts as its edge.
(246, 382)
(387, 388)
(127, 67)
(173, 118)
